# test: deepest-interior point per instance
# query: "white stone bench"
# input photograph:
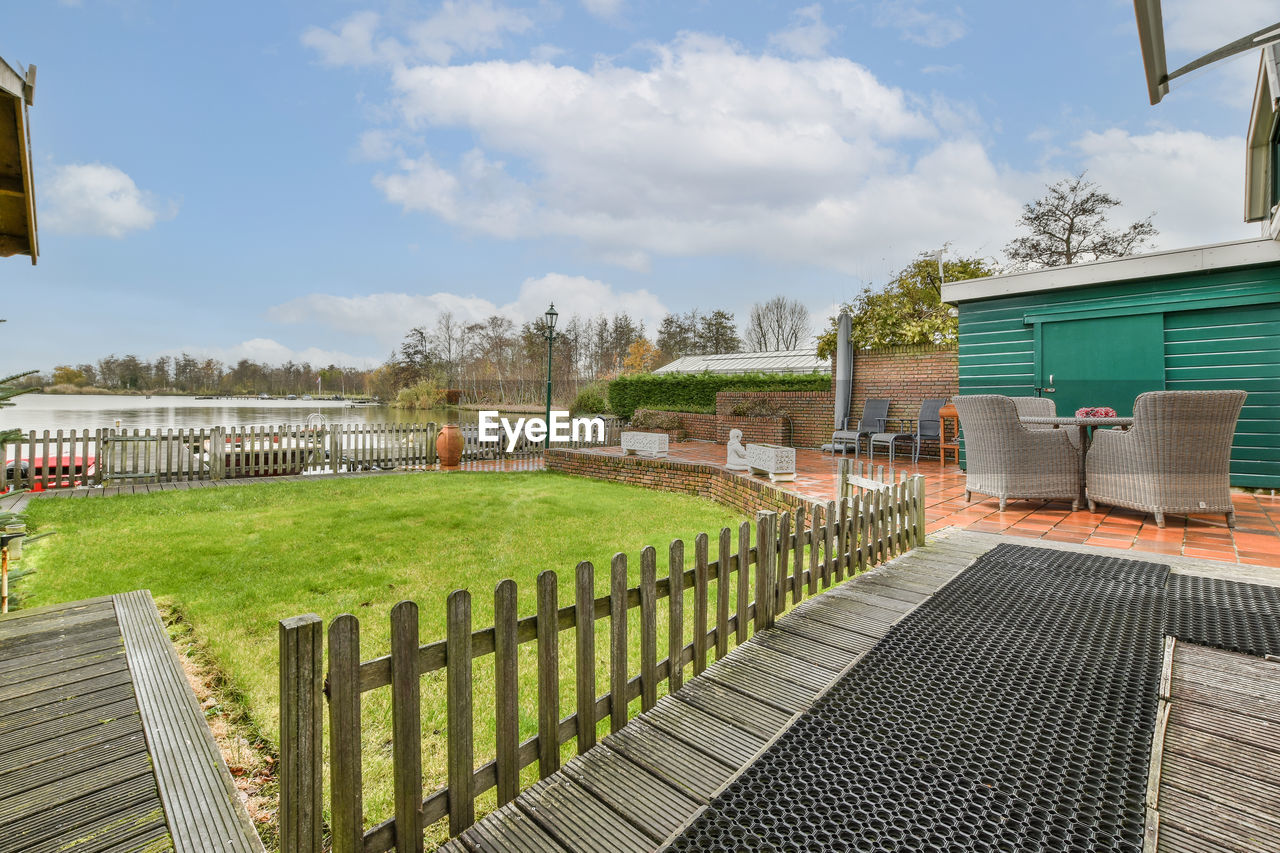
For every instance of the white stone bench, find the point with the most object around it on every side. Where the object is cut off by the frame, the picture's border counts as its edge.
(650, 444)
(773, 459)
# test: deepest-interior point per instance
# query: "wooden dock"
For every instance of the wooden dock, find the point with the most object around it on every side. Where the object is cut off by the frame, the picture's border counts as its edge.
(103, 746)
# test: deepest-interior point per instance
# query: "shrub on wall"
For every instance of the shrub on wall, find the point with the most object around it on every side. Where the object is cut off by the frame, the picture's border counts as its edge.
(698, 390)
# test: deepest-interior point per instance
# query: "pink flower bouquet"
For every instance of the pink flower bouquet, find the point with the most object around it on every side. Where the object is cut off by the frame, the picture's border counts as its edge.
(1096, 412)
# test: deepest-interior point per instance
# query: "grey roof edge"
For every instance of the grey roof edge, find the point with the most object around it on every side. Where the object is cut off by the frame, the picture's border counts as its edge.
(1215, 256)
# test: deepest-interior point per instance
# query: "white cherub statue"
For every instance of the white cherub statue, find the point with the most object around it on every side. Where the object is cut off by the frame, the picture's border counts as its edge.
(737, 457)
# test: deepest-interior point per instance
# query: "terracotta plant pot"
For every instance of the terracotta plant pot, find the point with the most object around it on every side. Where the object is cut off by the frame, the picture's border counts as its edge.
(449, 446)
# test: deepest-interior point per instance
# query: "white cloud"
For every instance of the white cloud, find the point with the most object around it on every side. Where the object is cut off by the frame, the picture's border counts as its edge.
(808, 34)
(1192, 181)
(919, 25)
(388, 315)
(351, 44)
(458, 27)
(709, 149)
(1197, 27)
(607, 9)
(268, 351)
(98, 199)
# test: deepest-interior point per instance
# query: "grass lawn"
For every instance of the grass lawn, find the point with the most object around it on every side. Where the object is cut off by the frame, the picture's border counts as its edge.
(236, 560)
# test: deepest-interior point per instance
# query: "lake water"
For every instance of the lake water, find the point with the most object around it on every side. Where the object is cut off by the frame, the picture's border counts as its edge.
(92, 411)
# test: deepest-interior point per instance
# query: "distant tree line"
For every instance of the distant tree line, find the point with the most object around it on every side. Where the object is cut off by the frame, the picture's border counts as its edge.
(186, 374)
(497, 361)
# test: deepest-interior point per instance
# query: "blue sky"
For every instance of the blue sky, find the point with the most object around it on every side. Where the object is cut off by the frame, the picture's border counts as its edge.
(296, 179)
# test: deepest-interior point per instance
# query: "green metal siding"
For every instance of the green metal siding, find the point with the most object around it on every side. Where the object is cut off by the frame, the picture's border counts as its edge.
(1221, 330)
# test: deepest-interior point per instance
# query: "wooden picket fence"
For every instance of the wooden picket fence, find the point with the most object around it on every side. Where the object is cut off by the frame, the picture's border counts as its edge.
(794, 555)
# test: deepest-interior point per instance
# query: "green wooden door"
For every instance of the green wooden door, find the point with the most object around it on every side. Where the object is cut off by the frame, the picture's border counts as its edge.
(1105, 361)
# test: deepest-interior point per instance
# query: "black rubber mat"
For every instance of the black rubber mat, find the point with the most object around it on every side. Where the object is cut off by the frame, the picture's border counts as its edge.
(1237, 617)
(1012, 711)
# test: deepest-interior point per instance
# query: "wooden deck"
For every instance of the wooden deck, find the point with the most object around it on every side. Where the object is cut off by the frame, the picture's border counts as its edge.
(1218, 791)
(642, 783)
(1218, 788)
(103, 747)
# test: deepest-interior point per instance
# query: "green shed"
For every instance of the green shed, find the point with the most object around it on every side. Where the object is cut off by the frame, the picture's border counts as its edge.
(1099, 334)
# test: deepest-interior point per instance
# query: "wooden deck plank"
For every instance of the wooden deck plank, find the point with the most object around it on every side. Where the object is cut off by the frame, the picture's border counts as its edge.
(758, 682)
(578, 821)
(196, 788)
(76, 747)
(105, 639)
(822, 632)
(14, 725)
(509, 830)
(648, 802)
(697, 775)
(47, 727)
(1175, 838)
(704, 732)
(37, 702)
(732, 706)
(19, 804)
(39, 682)
(805, 649)
(98, 822)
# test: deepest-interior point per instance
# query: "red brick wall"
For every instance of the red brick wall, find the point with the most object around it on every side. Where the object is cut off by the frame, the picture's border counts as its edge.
(694, 426)
(691, 478)
(906, 375)
(811, 414)
(757, 430)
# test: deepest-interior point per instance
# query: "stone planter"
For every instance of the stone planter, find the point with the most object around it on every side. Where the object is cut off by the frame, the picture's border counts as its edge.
(773, 459)
(650, 444)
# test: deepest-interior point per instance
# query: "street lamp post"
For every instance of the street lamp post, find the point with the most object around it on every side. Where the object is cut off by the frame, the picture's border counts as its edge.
(550, 334)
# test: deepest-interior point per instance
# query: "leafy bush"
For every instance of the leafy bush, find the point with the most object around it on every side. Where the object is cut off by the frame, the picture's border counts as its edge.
(591, 400)
(425, 395)
(757, 408)
(697, 391)
(650, 419)
(695, 410)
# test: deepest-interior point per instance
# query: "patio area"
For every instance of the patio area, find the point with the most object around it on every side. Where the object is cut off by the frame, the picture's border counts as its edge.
(1254, 541)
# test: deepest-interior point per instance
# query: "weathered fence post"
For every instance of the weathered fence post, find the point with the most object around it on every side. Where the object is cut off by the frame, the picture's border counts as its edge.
(345, 779)
(618, 642)
(301, 732)
(766, 563)
(506, 691)
(920, 516)
(744, 581)
(406, 729)
(458, 719)
(675, 616)
(700, 587)
(585, 628)
(548, 675)
(648, 628)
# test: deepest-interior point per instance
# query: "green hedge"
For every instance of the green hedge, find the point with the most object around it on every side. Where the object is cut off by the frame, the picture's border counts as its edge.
(698, 390)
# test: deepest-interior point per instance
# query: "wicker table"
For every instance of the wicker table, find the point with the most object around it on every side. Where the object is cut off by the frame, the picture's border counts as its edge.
(1085, 424)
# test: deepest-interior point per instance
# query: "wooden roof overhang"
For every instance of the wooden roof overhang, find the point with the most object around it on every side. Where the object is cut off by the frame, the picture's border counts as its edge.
(17, 186)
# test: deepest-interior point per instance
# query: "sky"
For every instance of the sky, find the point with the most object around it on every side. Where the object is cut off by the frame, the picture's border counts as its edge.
(308, 179)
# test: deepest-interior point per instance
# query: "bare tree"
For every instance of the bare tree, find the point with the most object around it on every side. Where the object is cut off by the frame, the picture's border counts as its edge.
(1069, 225)
(779, 324)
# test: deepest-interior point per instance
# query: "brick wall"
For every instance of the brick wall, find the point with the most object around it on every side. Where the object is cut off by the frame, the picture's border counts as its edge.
(757, 430)
(906, 375)
(691, 478)
(811, 414)
(696, 426)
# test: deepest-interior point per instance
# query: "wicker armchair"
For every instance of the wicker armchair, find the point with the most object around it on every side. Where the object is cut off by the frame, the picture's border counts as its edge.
(1175, 459)
(1042, 407)
(1006, 460)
